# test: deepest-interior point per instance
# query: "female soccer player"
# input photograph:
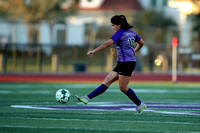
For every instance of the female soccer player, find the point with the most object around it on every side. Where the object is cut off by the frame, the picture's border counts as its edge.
(124, 38)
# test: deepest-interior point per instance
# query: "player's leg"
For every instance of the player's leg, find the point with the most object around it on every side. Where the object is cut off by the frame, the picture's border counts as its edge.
(123, 84)
(110, 78)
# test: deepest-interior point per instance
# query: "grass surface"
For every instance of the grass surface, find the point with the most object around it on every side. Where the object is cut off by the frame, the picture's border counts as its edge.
(23, 120)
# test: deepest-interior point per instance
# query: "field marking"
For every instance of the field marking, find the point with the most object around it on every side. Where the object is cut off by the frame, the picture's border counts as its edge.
(25, 86)
(71, 128)
(161, 91)
(132, 104)
(31, 107)
(121, 107)
(86, 120)
(25, 92)
(170, 112)
(113, 89)
(193, 86)
(90, 129)
(158, 91)
(163, 112)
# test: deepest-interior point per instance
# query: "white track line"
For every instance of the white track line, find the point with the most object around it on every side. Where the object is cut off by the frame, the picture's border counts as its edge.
(125, 121)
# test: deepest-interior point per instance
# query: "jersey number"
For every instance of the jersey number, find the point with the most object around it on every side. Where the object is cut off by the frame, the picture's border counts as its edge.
(131, 42)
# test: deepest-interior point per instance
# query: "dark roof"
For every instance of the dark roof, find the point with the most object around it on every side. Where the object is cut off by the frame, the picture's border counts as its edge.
(119, 5)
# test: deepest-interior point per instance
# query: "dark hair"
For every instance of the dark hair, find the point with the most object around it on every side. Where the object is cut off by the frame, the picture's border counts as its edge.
(121, 20)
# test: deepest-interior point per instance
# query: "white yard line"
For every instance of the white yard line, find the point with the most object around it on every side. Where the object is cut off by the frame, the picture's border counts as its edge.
(24, 86)
(121, 109)
(89, 128)
(108, 91)
(113, 89)
(163, 112)
(25, 92)
(84, 120)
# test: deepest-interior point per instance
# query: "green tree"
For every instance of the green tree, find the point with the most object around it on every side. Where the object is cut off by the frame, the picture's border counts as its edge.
(196, 28)
(196, 21)
(152, 18)
(33, 12)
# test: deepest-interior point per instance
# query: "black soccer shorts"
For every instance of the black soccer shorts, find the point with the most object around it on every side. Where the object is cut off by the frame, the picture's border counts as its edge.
(125, 68)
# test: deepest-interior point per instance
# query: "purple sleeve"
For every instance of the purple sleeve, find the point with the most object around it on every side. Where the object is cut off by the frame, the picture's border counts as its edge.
(117, 35)
(137, 38)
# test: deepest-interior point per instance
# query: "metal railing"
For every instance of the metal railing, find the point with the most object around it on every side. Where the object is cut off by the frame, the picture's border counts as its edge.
(61, 58)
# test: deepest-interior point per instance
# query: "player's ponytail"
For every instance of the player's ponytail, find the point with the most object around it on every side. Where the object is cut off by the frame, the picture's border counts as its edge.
(121, 20)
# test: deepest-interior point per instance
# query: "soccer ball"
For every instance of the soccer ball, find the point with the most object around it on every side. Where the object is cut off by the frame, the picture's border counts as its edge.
(63, 95)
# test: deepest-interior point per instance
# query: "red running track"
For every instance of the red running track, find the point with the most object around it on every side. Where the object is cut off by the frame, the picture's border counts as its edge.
(85, 77)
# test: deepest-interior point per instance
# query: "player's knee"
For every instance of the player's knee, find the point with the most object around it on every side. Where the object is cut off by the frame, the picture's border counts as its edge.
(106, 83)
(123, 88)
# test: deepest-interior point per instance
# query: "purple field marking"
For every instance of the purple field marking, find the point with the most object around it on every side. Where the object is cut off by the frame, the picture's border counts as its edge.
(173, 107)
(85, 107)
(194, 112)
(116, 107)
(175, 103)
(159, 103)
(122, 106)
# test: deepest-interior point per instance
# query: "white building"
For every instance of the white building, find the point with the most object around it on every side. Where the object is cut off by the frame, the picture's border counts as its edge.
(95, 12)
(178, 10)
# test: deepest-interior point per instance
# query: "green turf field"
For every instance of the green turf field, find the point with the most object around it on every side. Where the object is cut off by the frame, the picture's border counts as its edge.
(31, 107)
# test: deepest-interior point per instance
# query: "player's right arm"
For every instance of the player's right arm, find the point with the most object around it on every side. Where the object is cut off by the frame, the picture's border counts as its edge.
(139, 46)
(101, 47)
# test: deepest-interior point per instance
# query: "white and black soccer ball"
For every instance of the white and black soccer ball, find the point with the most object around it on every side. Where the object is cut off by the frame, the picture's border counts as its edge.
(63, 95)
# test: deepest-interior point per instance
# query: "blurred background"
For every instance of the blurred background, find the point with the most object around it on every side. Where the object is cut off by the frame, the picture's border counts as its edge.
(53, 36)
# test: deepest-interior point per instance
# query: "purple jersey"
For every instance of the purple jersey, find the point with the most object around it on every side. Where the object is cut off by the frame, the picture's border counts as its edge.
(124, 40)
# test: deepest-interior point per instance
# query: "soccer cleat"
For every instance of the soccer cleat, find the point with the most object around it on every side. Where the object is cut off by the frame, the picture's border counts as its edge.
(84, 99)
(141, 108)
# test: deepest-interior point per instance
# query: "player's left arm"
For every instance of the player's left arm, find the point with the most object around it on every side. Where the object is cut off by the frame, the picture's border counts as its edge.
(139, 46)
(101, 47)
